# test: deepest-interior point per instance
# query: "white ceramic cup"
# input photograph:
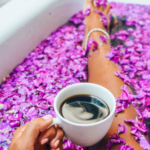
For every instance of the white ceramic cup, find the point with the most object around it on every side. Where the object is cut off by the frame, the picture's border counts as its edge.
(84, 134)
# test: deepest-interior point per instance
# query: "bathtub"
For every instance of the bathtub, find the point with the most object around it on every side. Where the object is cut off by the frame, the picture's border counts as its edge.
(25, 23)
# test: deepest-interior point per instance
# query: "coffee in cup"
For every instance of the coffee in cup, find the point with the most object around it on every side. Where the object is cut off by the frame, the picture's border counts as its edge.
(84, 109)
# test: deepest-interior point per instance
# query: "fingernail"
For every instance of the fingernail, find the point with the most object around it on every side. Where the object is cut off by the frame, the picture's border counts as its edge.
(44, 141)
(112, 17)
(56, 143)
(48, 117)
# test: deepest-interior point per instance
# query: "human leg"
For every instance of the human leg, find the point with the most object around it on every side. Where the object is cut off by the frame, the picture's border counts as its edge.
(101, 71)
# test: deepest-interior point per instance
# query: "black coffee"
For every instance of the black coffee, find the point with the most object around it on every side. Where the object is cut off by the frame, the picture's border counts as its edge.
(84, 109)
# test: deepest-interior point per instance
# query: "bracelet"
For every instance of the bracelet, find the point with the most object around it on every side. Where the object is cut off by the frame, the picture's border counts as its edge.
(96, 29)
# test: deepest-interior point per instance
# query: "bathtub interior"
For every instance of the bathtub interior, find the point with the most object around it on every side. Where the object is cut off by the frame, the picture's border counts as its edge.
(3, 2)
(25, 23)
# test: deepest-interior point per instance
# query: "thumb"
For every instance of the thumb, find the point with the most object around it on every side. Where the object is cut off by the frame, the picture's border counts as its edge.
(34, 128)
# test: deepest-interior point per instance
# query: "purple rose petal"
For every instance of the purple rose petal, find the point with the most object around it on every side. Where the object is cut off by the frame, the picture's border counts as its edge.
(87, 11)
(122, 128)
(93, 44)
(129, 43)
(114, 139)
(59, 60)
(14, 124)
(100, 2)
(103, 38)
(139, 113)
(125, 147)
(146, 113)
(144, 143)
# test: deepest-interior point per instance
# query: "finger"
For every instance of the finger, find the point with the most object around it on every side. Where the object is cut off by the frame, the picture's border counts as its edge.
(56, 140)
(47, 135)
(60, 146)
(18, 133)
(33, 129)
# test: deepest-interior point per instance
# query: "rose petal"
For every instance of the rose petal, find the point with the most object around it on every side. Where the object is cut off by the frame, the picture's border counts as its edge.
(122, 128)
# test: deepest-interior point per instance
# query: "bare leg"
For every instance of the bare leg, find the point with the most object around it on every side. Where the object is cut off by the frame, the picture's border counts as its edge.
(101, 71)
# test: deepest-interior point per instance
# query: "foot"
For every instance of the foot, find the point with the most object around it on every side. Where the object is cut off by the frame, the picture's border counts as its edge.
(93, 20)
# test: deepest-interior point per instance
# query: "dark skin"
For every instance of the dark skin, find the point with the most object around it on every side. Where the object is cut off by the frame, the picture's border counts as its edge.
(101, 71)
(30, 136)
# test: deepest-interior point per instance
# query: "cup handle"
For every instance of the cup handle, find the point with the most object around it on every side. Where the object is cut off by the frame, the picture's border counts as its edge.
(55, 121)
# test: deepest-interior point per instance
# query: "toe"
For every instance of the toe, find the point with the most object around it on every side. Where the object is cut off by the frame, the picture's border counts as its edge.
(94, 4)
(87, 4)
(90, 1)
(114, 17)
(100, 8)
(107, 9)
